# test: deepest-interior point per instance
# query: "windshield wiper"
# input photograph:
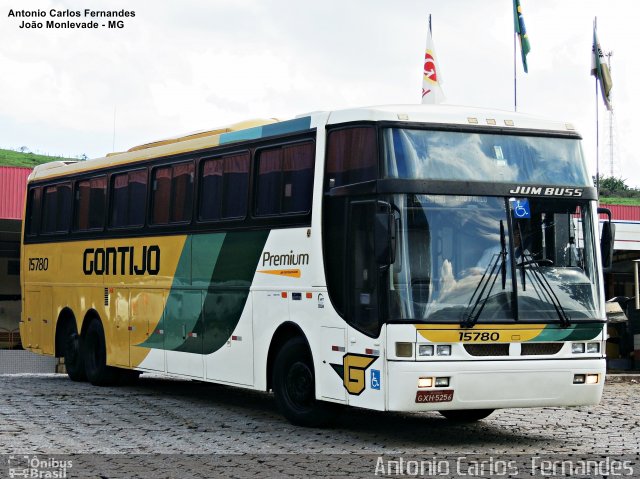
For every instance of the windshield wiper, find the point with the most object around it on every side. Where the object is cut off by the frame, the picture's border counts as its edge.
(541, 280)
(482, 293)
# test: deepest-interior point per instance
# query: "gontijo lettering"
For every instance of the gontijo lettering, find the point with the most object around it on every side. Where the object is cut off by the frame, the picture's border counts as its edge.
(122, 260)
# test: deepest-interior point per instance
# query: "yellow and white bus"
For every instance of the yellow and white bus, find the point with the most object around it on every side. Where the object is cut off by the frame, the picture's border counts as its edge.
(402, 258)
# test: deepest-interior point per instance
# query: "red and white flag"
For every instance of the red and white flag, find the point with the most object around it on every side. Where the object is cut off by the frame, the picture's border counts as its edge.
(431, 76)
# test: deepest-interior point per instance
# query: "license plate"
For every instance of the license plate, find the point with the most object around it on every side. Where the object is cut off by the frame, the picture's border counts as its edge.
(444, 395)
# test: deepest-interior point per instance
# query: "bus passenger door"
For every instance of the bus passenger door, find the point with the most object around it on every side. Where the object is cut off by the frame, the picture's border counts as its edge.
(363, 363)
(183, 333)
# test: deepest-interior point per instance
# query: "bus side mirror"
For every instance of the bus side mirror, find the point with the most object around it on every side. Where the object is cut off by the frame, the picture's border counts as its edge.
(607, 239)
(385, 235)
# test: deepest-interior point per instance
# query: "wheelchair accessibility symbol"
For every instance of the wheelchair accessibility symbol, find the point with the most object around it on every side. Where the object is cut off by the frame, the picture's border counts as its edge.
(520, 208)
(375, 379)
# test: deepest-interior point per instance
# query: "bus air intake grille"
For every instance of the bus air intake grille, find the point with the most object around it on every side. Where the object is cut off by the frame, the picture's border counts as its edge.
(106, 296)
(540, 349)
(487, 349)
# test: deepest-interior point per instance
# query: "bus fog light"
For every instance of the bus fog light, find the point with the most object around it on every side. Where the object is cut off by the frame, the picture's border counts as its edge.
(593, 347)
(577, 348)
(579, 379)
(443, 350)
(592, 379)
(442, 382)
(425, 350)
(404, 350)
(425, 382)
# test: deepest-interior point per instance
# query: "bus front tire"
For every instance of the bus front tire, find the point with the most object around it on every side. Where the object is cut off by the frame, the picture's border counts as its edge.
(94, 354)
(294, 386)
(466, 415)
(73, 361)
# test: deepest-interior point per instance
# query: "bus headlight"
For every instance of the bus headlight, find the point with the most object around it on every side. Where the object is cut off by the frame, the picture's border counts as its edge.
(425, 350)
(443, 350)
(593, 347)
(425, 382)
(577, 348)
(404, 350)
(592, 379)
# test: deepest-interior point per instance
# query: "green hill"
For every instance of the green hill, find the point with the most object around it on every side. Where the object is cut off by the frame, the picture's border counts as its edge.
(27, 160)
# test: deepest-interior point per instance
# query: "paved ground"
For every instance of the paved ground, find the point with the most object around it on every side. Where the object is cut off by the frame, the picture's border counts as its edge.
(137, 431)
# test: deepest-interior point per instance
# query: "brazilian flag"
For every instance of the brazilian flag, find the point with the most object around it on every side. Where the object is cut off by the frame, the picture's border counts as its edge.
(521, 31)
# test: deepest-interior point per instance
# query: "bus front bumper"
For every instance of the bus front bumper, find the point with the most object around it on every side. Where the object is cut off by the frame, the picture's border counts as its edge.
(493, 384)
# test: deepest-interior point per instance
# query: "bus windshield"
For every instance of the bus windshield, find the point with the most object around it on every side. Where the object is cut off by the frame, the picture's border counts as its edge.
(451, 155)
(474, 259)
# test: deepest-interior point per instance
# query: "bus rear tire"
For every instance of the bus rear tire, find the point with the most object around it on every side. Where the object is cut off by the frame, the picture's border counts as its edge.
(294, 386)
(466, 415)
(73, 361)
(94, 354)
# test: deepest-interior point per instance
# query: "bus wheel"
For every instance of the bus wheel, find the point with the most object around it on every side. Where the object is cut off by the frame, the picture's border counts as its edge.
(466, 415)
(94, 354)
(73, 362)
(294, 386)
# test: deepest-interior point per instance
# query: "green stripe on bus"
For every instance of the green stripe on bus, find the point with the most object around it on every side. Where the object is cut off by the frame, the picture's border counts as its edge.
(201, 319)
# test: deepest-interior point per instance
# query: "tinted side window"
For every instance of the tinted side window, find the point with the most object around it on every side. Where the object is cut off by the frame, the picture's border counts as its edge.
(224, 187)
(33, 211)
(128, 198)
(56, 209)
(285, 180)
(90, 203)
(172, 199)
(351, 156)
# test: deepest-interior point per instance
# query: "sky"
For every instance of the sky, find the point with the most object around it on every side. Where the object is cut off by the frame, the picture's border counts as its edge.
(184, 65)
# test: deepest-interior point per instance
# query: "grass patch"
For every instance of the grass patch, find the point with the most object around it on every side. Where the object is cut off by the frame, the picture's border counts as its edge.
(620, 201)
(26, 160)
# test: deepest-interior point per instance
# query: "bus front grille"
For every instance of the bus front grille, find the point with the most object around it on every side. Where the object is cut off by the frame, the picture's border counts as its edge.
(540, 349)
(497, 349)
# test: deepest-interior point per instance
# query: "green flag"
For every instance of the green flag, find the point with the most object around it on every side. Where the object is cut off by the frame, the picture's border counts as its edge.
(521, 31)
(600, 69)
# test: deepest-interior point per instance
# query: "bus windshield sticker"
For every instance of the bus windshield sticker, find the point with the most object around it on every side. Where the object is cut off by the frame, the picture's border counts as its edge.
(520, 208)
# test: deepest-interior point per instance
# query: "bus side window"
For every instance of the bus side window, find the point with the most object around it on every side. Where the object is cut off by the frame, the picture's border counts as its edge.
(56, 209)
(128, 199)
(285, 180)
(224, 186)
(33, 211)
(351, 156)
(90, 201)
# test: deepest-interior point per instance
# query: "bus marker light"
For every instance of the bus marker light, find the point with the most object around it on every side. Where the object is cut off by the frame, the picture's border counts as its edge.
(425, 350)
(404, 350)
(443, 350)
(236, 338)
(508, 122)
(592, 379)
(337, 348)
(374, 352)
(577, 348)
(442, 382)
(579, 379)
(283, 294)
(309, 295)
(425, 382)
(593, 347)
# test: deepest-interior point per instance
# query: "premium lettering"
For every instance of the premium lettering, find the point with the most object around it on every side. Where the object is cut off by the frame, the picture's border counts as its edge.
(123, 260)
(290, 259)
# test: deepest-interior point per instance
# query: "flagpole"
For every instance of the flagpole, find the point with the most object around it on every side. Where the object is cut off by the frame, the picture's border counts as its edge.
(515, 76)
(595, 25)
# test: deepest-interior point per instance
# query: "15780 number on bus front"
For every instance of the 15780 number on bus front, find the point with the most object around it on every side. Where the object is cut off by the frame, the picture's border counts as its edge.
(479, 336)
